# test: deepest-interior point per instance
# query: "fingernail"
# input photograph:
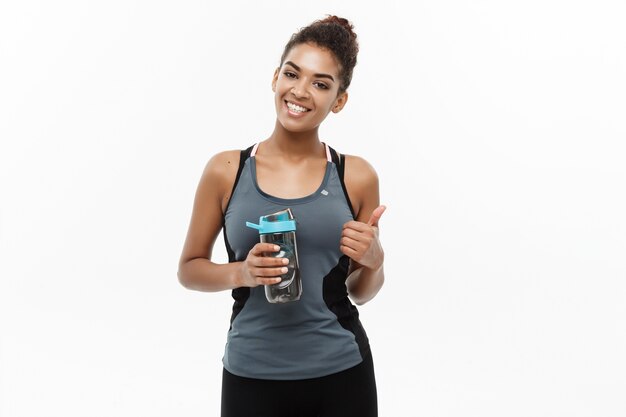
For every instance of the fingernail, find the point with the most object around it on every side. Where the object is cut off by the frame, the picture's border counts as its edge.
(285, 261)
(283, 270)
(276, 247)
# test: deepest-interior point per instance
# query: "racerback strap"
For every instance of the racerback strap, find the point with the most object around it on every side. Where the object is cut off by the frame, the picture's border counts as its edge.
(339, 161)
(243, 155)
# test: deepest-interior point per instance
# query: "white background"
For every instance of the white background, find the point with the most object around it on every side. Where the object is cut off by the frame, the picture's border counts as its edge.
(497, 129)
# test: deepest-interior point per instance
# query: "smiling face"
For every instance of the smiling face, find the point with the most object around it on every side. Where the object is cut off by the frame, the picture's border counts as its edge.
(306, 88)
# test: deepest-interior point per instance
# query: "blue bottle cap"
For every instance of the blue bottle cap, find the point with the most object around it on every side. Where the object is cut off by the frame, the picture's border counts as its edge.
(279, 222)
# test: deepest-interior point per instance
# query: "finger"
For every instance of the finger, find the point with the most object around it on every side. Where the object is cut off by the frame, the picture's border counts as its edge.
(270, 272)
(365, 233)
(260, 248)
(355, 225)
(346, 250)
(376, 215)
(352, 244)
(269, 261)
(268, 281)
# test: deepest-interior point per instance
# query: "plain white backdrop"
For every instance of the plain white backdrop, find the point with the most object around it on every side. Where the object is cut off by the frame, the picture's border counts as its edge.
(497, 130)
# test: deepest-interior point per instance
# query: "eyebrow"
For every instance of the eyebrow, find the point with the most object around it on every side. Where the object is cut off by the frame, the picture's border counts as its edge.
(316, 75)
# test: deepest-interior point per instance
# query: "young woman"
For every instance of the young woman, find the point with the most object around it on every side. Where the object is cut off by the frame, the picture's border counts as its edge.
(309, 357)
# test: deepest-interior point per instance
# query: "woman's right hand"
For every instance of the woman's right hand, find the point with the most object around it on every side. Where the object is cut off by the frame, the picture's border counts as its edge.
(258, 269)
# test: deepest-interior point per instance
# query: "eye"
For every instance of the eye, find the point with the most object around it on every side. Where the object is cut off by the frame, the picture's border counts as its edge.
(289, 74)
(321, 85)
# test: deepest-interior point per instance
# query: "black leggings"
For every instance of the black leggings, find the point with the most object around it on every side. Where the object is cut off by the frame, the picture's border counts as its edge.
(348, 393)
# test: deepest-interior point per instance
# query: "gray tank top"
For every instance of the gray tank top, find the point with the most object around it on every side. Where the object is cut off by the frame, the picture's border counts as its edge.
(321, 333)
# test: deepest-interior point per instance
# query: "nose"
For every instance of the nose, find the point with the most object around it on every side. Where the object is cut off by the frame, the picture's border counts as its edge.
(299, 89)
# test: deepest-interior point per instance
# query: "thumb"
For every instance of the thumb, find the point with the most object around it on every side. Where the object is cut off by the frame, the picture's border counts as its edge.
(376, 215)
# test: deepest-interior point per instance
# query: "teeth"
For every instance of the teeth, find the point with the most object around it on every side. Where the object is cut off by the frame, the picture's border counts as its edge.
(295, 107)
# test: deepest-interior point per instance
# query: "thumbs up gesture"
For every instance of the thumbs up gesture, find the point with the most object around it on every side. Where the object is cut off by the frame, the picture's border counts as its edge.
(360, 241)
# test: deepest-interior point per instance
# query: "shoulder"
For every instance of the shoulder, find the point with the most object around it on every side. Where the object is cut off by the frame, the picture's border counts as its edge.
(219, 174)
(359, 171)
(222, 164)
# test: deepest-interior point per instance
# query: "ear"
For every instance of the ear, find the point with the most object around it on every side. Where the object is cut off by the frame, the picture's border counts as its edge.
(274, 79)
(340, 101)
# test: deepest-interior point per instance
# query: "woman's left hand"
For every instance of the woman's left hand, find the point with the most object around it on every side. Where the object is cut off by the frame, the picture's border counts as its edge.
(360, 241)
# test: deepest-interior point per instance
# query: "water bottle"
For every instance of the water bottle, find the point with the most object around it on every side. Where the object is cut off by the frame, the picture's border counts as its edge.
(280, 229)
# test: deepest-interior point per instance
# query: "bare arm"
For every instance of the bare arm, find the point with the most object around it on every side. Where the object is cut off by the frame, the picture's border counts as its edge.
(196, 271)
(360, 239)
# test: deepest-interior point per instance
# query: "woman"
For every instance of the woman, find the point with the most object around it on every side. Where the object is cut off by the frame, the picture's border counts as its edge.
(309, 357)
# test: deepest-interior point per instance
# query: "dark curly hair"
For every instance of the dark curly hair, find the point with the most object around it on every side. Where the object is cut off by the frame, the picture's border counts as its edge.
(335, 34)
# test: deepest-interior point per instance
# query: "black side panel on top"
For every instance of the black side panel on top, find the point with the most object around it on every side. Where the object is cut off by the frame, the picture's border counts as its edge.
(336, 299)
(241, 294)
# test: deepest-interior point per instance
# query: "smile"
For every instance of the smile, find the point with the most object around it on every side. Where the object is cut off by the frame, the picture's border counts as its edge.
(295, 108)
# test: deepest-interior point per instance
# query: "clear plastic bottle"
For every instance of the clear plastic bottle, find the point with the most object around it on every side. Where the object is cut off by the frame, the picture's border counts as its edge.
(280, 229)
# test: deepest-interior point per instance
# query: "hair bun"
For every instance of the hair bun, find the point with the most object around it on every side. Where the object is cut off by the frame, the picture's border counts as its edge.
(340, 21)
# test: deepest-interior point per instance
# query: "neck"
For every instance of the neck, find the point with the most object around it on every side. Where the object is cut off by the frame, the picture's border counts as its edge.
(294, 143)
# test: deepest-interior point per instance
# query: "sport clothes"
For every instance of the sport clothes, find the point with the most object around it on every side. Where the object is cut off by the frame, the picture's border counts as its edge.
(318, 335)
